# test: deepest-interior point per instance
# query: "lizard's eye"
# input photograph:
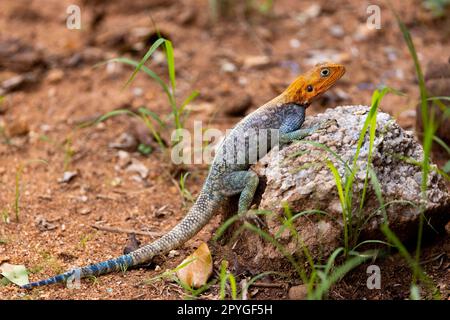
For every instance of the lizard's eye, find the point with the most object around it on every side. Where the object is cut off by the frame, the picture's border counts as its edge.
(309, 88)
(324, 72)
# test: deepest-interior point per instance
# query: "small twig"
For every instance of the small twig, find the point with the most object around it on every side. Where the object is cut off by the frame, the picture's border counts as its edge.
(106, 197)
(129, 231)
(244, 287)
(434, 258)
(268, 285)
(138, 296)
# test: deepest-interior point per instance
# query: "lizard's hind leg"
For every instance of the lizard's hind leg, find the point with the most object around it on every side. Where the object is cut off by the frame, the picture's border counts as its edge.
(245, 183)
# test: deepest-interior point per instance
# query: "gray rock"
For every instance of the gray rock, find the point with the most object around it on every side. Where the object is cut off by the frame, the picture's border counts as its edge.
(299, 176)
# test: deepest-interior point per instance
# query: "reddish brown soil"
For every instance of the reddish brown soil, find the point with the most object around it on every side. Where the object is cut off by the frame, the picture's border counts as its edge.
(56, 103)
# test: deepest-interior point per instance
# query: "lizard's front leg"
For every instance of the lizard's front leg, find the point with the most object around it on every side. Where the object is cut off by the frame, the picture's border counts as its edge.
(296, 135)
(302, 133)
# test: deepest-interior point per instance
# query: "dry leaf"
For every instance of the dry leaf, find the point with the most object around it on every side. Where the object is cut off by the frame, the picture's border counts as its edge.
(17, 274)
(198, 267)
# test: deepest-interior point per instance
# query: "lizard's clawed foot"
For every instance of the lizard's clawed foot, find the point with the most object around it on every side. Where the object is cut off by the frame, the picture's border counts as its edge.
(251, 217)
(322, 126)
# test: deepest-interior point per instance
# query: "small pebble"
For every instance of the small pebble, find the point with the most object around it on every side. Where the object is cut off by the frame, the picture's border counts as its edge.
(228, 67)
(55, 75)
(252, 62)
(298, 292)
(124, 158)
(173, 253)
(294, 43)
(67, 176)
(337, 31)
(138, 167)
(84, 211)
(138, 92)
(117, 181)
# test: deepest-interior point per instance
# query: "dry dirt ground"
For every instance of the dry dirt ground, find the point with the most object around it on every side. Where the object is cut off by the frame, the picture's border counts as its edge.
(63, 89)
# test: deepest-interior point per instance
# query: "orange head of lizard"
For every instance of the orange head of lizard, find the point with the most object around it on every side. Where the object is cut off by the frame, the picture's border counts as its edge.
(313, 83)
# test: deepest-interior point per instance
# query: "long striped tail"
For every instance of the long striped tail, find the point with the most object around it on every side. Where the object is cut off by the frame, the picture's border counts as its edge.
(117, 264)
(199, 215)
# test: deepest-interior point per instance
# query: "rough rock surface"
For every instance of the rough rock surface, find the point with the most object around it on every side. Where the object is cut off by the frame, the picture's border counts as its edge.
(299, 175)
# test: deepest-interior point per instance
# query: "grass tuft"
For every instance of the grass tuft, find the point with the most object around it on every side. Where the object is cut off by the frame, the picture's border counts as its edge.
(152, 120)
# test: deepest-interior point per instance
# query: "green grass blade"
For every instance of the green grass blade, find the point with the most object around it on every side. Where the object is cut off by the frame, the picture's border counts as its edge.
(342, 199)
(150, 51)
(442, 144)
(371, 242)
(224, 226)
(372, 129)
(147, 70)
(412, 262)
(296, 216)
(420, 77)
(152, 129)
(194, 94)
(325, 285)
(331, 259)
(223, 280)
(378, 192)
(153, 115)
(115, 113)
(171, 64)
(429, 129)
(232, 281)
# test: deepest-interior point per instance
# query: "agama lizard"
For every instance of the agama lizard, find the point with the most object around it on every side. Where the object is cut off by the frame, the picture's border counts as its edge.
(228, 177)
